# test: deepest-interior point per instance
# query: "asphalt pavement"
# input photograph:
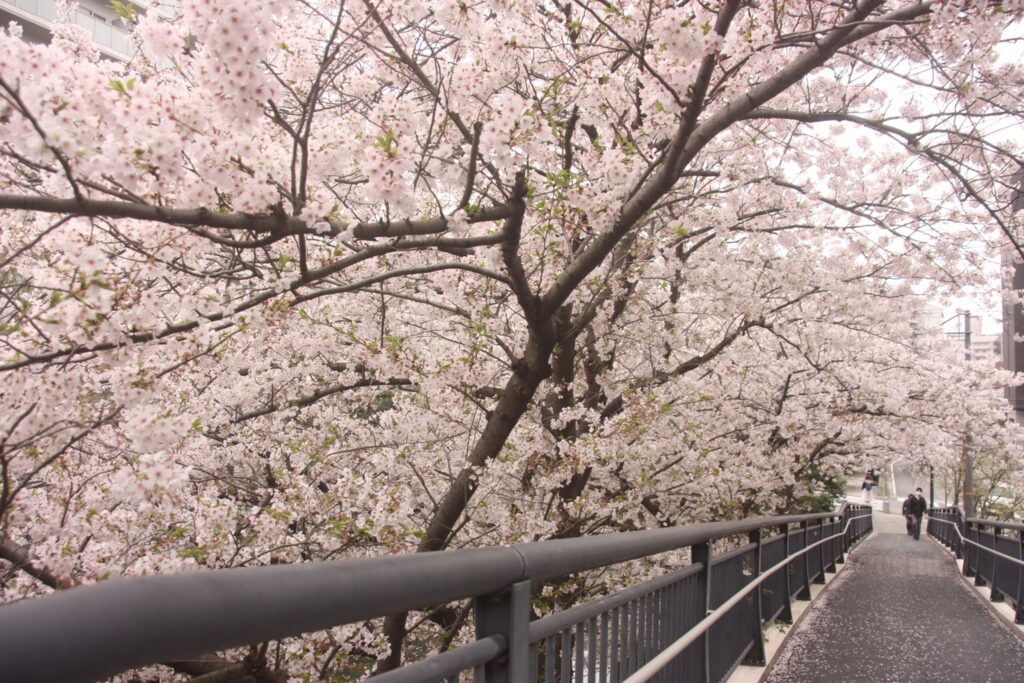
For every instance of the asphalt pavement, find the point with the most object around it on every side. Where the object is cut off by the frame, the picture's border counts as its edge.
(899, 613)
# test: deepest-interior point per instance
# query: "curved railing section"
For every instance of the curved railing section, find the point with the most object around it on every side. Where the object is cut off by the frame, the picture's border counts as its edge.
(992, 551)
(696, 623)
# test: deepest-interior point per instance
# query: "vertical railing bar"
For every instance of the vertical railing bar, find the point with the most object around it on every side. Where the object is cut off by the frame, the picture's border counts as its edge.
(649, 639)
(654, 626)
(640, 645)
(657, 623)
(636, 651)
(680, 626)
(662, 620)
(565, 656)
(549, 659)
(670, 621)
(592, 647)
(613, 650)
(643, 641)
(653, 632)
(669, 614)
(603, 648)
(534, 671)
(634, 632)
(579, 653)
(624, 641)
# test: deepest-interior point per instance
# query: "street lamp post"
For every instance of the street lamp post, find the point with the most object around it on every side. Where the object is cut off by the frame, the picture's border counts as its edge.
(968, 451)
(931, 484)
(968, 454)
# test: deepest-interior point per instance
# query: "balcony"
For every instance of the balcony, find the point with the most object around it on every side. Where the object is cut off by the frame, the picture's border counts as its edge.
(38, 16)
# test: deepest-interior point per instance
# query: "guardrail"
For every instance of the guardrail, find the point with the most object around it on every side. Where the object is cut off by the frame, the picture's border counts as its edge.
(693, 624)
(992, 550)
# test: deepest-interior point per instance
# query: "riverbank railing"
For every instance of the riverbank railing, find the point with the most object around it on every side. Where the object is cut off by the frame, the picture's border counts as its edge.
(992, 551)
(693, 624)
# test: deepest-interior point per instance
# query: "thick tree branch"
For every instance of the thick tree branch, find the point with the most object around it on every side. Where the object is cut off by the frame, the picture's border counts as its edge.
(20, 559)
(277, 225)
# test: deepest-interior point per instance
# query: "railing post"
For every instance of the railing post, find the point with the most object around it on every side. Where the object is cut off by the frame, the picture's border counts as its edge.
(787, 608)
(701, 553)
(979, 580)
(1018, 616)
(837, 543)
(821, 551)
(755, 656)
(958, 551)
(507, 613)
(805, 592)
(969, 570)
(994, 594)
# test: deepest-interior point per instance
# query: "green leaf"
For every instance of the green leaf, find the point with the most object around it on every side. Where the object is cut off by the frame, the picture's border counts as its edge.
(125, 10)
(118, 86)
(386, 142)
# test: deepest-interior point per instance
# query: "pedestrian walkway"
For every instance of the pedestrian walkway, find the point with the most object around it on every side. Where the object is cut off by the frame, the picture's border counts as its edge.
(899, 613)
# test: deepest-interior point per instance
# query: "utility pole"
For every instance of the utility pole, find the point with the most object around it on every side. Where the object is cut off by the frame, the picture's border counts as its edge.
(968, 451)
(931, 485)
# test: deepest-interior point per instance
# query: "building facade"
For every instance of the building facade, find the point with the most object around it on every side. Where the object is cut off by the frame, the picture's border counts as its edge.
(37, 18)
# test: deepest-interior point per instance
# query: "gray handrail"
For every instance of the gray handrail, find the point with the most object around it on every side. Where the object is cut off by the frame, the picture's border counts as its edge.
(449, 663)
(1006, 581)
(655, 665)
(96, 631)
(998, 524)
(982, 521)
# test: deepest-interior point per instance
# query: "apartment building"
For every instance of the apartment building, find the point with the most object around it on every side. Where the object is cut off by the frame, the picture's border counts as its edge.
(95, 16)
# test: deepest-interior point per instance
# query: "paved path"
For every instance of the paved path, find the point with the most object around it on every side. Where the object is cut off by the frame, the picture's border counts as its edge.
(899, 613)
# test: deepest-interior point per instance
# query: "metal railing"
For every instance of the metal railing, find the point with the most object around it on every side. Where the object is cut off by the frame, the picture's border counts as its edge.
(696, 623)
(992, 551)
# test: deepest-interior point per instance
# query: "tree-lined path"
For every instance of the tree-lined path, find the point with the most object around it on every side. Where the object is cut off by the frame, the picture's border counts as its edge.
(899, 613)
(304, 282)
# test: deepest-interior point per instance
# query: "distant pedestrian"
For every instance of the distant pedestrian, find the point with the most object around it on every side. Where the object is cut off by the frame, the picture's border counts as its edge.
(876, 474)
(914, 508)
(866, 487)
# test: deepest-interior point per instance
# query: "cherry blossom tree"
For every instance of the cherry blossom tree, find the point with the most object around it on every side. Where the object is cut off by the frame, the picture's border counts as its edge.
(316, 280)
